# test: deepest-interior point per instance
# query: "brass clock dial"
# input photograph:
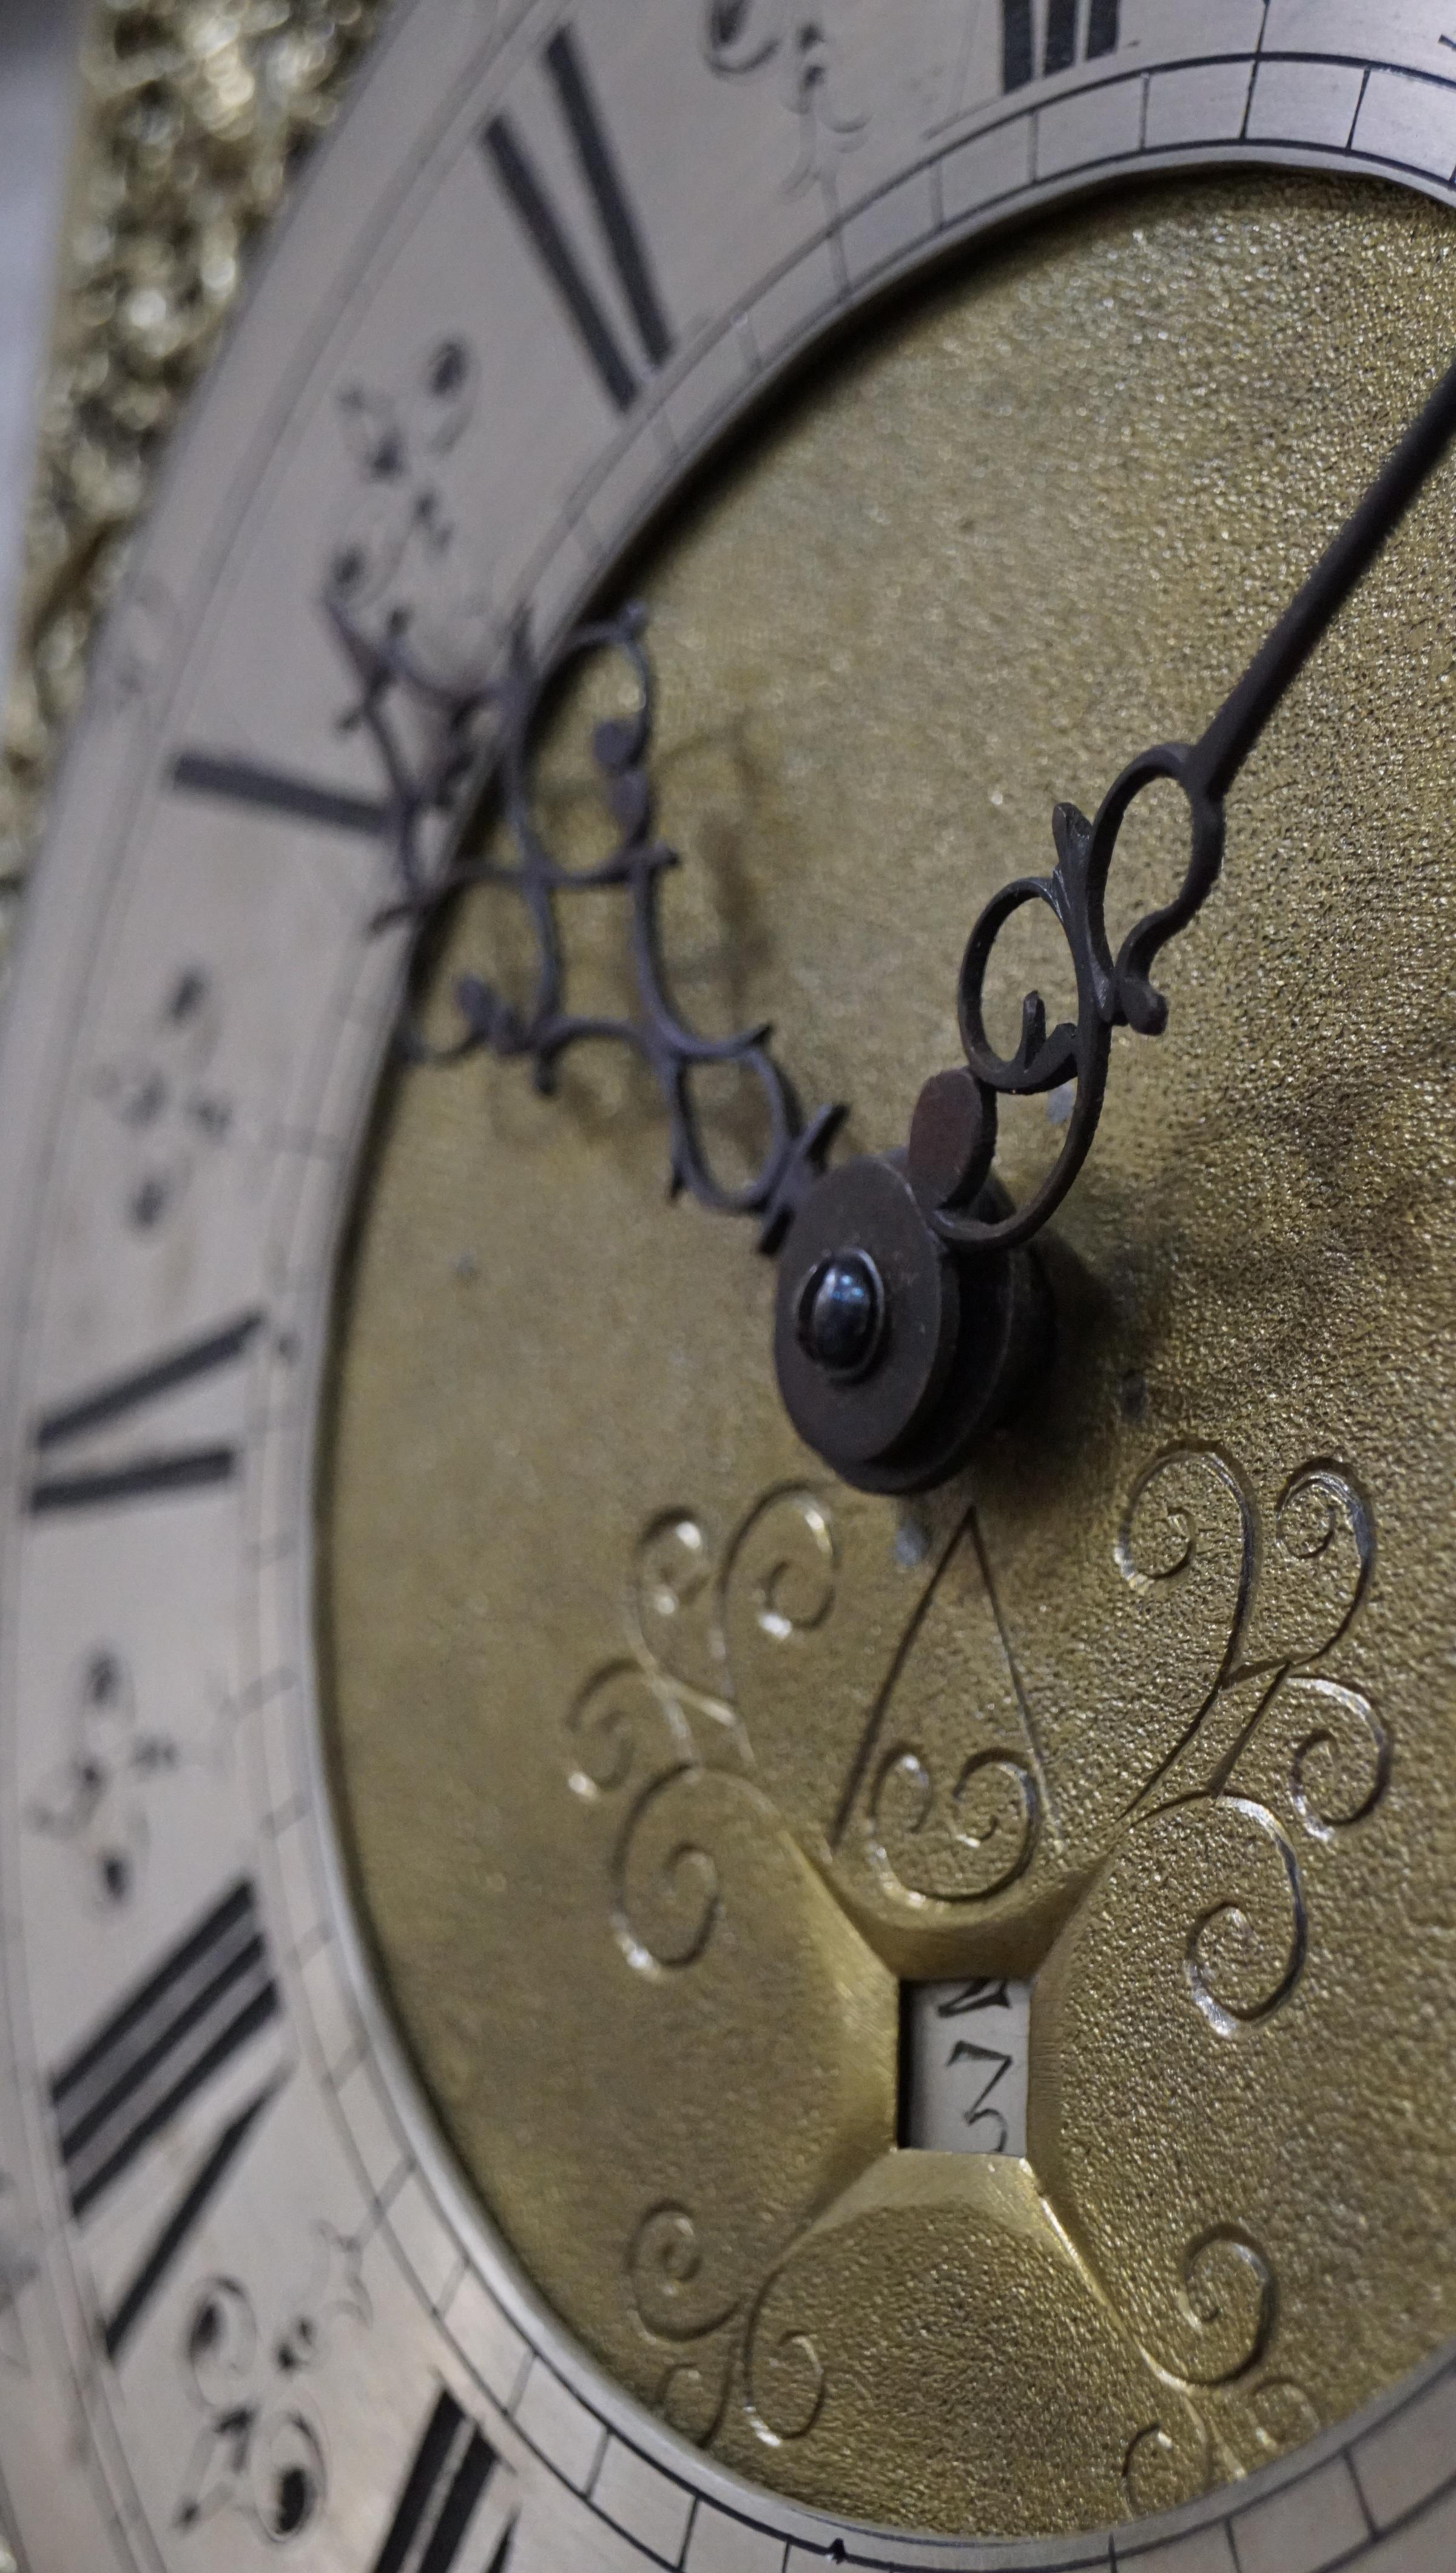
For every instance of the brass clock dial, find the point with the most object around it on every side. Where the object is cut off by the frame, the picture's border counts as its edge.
(580, 1990)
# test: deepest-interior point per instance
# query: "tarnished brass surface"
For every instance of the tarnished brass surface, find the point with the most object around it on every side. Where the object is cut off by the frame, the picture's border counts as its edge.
(658, 1754)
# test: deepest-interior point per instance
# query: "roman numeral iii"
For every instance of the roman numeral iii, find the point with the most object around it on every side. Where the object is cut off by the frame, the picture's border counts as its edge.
(168, 2039)
(1072, 31)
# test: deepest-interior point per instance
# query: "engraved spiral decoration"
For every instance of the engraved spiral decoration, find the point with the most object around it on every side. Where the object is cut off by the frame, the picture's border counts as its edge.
(956, 1840)
(669, 1891)
(1245, 1953)
(784, 2376)
(1169, 2462)
(1225, 2307)
(784, 1562)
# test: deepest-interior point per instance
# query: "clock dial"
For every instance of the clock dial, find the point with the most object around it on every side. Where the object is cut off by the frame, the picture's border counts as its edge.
(1126, 1706)
(577, 1987)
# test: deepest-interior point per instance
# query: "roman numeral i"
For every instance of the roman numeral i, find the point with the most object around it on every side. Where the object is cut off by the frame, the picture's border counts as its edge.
(526, 194)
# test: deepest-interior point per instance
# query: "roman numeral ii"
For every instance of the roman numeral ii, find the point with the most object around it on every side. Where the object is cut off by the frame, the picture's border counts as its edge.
(159, 1471)
(541, 220)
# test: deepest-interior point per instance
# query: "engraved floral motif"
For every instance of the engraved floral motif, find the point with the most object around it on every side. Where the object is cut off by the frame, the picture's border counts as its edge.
(262, 2452)
(396, 554)
(807, 54)
(170, 1113)
(98, 1799)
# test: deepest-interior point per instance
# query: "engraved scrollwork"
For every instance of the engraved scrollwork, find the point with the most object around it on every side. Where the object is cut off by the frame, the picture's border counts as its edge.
(653, 1734)
(677, 2305)
(1190, 1511)
(1245, 1956)
(672, 1606)
(665, 2274)
(1169, 2462)
(669, 1891)
(1283, 2414)
(432, 735)
(1226, 2307)
(1323, 1532)
(693, 2394)
(956, 1847)
(1270, 1727)
(1340, 1767)
(619, 1726)
(710, 2335)
(785, 1560)
(784, 2376)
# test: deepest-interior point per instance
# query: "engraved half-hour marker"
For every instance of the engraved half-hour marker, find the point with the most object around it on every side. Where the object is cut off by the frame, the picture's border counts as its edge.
(447, 2475)
(168, 2039)
(100, 1407)
(227, 780)
(527, 192)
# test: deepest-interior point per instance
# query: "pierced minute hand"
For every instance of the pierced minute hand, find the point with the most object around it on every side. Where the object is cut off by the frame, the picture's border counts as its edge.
(952, 1134)
(908, 1308)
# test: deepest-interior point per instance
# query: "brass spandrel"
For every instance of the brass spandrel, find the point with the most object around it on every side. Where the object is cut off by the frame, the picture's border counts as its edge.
(659, 1752)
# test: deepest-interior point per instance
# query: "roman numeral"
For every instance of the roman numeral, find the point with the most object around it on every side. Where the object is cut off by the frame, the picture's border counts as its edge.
(447, 2475)
(1060, 44)
(1103, 31)
(160, 1471)
(169, 2038)
(527, 195)
(171, 2237)
(275, 790)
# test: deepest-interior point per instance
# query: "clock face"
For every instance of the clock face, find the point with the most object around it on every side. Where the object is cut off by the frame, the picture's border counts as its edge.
(579, 1990)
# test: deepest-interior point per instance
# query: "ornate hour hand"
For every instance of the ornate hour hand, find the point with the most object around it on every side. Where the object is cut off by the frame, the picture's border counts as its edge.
(908, 1304)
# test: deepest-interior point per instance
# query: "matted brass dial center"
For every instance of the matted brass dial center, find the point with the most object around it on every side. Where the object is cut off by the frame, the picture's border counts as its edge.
(719, 1760)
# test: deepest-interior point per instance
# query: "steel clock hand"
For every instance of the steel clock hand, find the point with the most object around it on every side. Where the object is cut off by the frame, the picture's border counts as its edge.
(952, 1134)
(909, 1305)
(906, 1312)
